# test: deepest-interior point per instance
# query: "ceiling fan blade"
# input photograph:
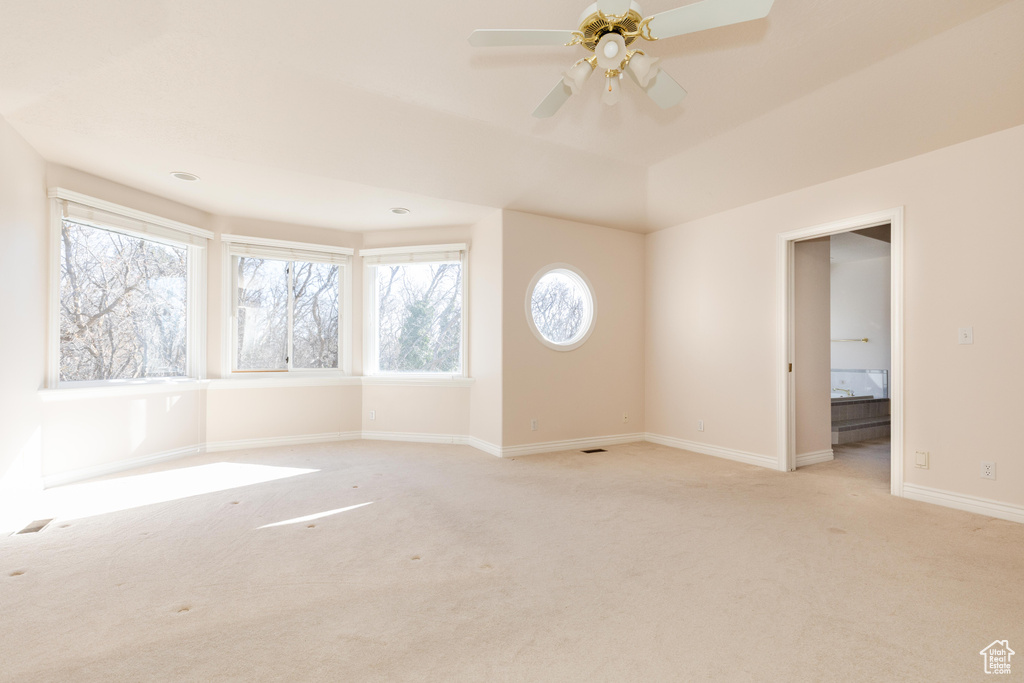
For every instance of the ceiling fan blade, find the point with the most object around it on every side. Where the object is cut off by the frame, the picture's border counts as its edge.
(558, 96)
(515, 37)
(663, 89)
(617, 7)
(706, 14)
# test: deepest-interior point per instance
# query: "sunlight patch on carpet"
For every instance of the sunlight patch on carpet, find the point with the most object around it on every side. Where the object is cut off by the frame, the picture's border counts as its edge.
(319, 515)
(124, 493)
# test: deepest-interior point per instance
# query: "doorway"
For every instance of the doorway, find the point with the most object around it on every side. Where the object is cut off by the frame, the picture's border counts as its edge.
(817, 240)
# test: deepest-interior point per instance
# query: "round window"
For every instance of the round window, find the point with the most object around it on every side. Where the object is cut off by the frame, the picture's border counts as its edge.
(560, 307)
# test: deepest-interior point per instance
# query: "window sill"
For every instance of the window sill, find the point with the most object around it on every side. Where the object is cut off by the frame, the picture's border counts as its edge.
(417, 381)
(73, 391)
(114, 388)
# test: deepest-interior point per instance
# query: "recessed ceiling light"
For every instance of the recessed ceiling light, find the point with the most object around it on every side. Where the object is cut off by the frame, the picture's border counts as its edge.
(183, 175)
(400, 210)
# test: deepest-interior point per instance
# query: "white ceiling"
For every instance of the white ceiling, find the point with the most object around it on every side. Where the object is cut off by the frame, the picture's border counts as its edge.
(329, 112)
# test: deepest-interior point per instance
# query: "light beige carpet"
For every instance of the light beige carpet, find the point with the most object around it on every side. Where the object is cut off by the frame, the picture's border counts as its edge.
(644, 563)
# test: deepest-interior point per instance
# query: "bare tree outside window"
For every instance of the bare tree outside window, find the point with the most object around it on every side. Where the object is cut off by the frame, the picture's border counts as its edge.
(262, 314)
(123, 306)
(315, 316)
(419, 317)
(265, 289)
(560, 306)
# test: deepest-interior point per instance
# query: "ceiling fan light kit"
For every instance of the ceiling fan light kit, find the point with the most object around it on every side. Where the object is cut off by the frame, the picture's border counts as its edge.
(607, 28)
(576, 76)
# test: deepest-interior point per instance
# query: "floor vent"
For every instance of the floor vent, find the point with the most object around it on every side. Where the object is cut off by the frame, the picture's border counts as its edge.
(35, 526)
(594, 450)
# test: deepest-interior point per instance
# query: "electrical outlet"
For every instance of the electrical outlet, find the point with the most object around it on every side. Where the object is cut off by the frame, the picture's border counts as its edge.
(988, 470)
(373, 414)
(921, 460)
(700, 425)
(533, 424)
(625, 417)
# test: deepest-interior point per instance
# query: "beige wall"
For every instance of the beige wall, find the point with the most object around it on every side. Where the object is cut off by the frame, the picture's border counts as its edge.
(23, 300)
(80, 433)
(812, 347)
(711, 311)
(584, 392)
(485, 342)
(710, 335)
(403, 409)
(861, 308)
(242, 413)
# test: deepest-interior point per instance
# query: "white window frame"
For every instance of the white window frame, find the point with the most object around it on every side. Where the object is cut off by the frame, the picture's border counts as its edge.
(431, 253)
(104, 215)
(573, 272)
(284, 250)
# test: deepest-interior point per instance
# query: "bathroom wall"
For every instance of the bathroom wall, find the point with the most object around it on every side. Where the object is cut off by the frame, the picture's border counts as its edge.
(861, 308)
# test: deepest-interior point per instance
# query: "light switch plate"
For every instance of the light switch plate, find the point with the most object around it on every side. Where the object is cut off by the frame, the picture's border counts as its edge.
(921, 460)
(966, 335)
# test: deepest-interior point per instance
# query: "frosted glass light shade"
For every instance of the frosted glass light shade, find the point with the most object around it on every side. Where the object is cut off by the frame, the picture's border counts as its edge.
(644, 68)
(603, 50)
(577, 76)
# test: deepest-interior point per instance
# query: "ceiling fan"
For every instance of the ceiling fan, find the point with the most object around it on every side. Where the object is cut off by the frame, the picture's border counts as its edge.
(608, 28)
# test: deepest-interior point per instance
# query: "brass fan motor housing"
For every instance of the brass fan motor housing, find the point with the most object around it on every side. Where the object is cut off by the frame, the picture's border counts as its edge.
(595, 26)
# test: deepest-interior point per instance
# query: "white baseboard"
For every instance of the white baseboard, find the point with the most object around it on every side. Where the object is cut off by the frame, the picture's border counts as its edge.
(103, 470)
(717, 451)
(457, 439)
(814, 458)
(567, 445)
(414, 437)
(485, 446)
(267, 442)
(960, 501)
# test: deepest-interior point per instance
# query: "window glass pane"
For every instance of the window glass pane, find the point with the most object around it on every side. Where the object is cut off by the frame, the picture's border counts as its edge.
(419, 317)
(262, 314)
(122, 306)
(315, 316)
(561, 307)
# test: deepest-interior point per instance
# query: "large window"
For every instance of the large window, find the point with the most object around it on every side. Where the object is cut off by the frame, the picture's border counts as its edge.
(125, 301)
(415, 310)
(122, 306)
(288, 312)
